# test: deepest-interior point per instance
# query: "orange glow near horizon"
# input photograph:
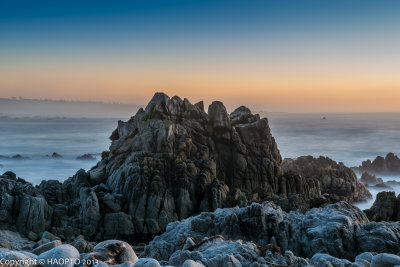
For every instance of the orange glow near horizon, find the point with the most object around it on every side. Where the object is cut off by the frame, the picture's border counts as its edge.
(265, 89)
(311, 56)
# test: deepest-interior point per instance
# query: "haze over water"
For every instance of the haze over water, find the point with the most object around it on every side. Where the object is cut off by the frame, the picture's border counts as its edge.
(349, 138)
(34, 138)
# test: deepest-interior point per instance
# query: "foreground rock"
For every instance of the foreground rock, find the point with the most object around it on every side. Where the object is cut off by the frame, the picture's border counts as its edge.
(388, 165)
(63, 256)
(13, 240)
(340, 230)
(213, 251)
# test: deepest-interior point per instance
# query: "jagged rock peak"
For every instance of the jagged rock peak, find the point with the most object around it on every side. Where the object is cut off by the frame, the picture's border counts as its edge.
(161, 103)
(179, 160)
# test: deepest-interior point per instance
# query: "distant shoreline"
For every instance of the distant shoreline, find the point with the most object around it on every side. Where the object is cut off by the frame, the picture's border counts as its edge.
(21, 107)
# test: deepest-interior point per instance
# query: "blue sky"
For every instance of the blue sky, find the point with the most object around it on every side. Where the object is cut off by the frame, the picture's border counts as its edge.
(189, 38)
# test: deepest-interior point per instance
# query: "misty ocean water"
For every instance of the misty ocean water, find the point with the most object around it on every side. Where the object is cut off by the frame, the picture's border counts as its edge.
(34, 138)
(349, 138)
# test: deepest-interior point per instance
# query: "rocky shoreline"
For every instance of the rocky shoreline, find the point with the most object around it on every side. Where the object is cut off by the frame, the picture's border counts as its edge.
(336, 235)
(200, 189)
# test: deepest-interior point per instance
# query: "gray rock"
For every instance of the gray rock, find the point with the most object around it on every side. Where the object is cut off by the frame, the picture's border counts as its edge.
(125, 264)
(191, 263)
(49, 236)
(63, 256)
(11, 255)
(52, 191)
(386, 207)
(367, 256)
(340, 230)
(100, 264)
(89, 211)
(33, 211)
(111, 203)
(188, 243)
(97, 175)
(82, 245)
(325, 260)
(385, 260)
(14, 240)
(46, 247)
(179, 257)
(118, 225)
(147, 262)
(334, 178)
(379, 237)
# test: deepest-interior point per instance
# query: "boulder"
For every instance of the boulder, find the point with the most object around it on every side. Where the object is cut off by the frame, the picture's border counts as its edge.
(192, 263)
(385, 260)
(327, 260)
(82, 245)
(16, 257)
(63, 256)
(14, 240)
(147, 262)
(126, 253)
(46, 247)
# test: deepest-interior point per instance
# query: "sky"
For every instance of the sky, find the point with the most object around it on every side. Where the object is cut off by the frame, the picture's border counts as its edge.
(285, 56)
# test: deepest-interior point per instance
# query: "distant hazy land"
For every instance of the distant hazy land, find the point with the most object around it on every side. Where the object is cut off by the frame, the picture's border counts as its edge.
(51, 108)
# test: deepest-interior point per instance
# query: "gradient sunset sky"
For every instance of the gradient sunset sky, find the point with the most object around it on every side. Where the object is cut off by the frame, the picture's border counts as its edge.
(296, 56)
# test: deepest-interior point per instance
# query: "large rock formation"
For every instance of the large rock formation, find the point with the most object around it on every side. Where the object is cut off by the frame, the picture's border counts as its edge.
(388, 165)
(170, 161)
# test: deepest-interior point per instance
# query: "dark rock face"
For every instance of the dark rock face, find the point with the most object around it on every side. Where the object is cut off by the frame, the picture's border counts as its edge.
(172, 160)
(381, 165)
(333, 178)
(386, 207)
(22, 207)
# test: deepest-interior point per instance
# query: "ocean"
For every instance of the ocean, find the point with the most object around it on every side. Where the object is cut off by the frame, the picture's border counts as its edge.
(34, 138)
(349, 138)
